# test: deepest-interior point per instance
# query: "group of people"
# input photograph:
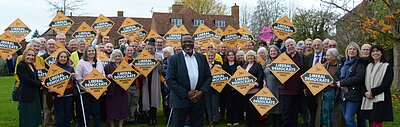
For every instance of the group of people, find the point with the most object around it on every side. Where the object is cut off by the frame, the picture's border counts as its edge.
(180, 83)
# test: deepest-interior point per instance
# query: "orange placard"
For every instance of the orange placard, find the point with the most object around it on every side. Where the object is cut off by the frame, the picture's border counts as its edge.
(57, 79)
(18, 29)
(102, 57)
(264, 100)
(261, 61)
(242, 81)
(61, 23)
(152, 34)
(41, 70)
(203, 35)
(219, 78)
(283, 67)
(52, 58)
(124, 75)
(103, 24)
(8, 45)
(141, 35)
(173, 36)
(231, 37)
(145, 63)
(129, 28)
(86, 32)
(183, 29)
(246, 37)
(283, 28)
(317, 78)
(217, 37)
(95, 83)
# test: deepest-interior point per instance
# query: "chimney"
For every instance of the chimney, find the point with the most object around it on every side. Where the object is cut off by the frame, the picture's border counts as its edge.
(235, 14)
(176, 8)
(70, 13)
(120, 14)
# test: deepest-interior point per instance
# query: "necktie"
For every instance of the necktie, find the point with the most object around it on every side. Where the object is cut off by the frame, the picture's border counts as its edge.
(316, 61)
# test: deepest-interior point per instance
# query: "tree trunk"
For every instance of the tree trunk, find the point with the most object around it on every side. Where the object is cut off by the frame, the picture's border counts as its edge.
(396, 66)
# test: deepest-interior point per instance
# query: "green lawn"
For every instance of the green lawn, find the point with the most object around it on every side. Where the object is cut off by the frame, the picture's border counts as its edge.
(9, 112)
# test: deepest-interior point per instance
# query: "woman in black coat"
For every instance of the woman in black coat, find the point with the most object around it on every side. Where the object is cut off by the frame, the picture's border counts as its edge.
(377, 101)
(28, 91)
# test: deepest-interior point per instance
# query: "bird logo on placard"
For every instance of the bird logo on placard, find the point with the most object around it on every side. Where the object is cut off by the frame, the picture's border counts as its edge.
(283, 59)
(317, 69)
(124, 67)
(54, 70)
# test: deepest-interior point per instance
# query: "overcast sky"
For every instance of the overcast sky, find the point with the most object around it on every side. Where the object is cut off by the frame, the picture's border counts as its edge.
(35, 14)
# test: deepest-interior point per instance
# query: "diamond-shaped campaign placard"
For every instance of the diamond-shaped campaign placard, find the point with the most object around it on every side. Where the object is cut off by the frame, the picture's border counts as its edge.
(102, 57)
(103, 24)
(242, 81)
(219, 78)
(231, 37)
(217, 37)
(145, 63)
(18, 29)
(264, 100)
(246, 37)
(203, 35)
(266, 34)
(129, 28)
(61, 23)
(95, 83)
(53, 57)
(152, 34)
(283, 28)
(283, 67)
(57, 79)
(8, 45)
(317, 78)
(141, 35)
(173, 36)
(86, 32)
(41, 70)
(124, 75)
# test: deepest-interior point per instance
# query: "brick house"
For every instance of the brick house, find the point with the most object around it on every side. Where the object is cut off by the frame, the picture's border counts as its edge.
(161, 22)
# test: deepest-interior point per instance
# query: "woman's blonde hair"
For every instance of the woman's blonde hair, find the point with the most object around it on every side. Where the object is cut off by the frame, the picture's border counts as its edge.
(355, 45)
(250, 53)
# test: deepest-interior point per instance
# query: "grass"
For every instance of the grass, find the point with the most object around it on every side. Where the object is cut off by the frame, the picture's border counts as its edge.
(9, 112)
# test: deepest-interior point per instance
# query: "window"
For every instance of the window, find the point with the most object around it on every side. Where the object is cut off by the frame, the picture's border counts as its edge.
(177, 22)
(197, 22)
(219, 23)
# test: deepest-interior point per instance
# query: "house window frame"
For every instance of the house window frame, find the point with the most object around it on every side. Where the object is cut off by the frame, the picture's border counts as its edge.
(220, 23)
(197, 22)
(177, 21)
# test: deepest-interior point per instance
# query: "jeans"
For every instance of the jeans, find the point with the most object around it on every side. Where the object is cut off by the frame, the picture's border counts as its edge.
(349, 110)
(92, 108)
(63, 109)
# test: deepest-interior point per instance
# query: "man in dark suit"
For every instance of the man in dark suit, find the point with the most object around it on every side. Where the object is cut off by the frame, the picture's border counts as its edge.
(189, 78)
(312, 59)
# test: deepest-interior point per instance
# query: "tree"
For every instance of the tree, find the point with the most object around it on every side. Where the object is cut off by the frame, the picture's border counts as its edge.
(36, 34)
(209, 7)
(66, 6)
(313, 23)
(245, 15)
(380, 21)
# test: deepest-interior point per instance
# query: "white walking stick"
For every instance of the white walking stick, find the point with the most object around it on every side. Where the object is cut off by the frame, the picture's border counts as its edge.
(83, 109)
(170, 115)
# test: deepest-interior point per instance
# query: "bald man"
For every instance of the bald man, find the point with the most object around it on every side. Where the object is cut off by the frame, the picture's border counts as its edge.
(365, 50)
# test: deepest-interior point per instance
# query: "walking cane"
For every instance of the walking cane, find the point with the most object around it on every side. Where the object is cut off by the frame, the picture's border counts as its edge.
(170, 115)
(80, 97)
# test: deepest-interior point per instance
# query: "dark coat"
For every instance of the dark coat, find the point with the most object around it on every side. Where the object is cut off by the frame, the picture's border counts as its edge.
(30, 83)
(179, 83)
(309, 60)
(354, 82)
(257, 71)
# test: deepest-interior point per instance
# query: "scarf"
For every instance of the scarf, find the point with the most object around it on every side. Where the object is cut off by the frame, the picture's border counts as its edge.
(344, 72)
(373, 78)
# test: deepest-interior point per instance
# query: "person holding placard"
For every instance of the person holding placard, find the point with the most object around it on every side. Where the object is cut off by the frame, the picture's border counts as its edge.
(240, 57)
(255, 69)
(91, 105)
(377, 102)
(212, 97)
(233, 99)
(61, 38)
(349, 77)
(168, 51)
(51, 48)
(116, 100)
(273, 85)
(78, 54)
(28, 91)
(63, 103)
(189, 78)
(72, 45)
(133, 90)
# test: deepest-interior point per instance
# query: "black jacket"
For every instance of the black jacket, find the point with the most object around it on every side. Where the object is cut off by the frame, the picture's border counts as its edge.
(30, 83)
(354, 82)
(257, 71)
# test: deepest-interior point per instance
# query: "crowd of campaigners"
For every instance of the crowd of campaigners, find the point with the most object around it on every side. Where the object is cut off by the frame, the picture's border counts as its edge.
(360, 91)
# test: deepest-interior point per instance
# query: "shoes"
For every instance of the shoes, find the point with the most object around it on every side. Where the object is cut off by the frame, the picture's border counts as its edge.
(236, 124)
(228, 124)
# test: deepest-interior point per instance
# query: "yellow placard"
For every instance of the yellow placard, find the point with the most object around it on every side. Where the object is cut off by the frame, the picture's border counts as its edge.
(283, 67)
(141, 35)
(8, 45)
(129, 28)
(203, 35)
(219, 78)
(264, 100)
(152, 34)
(183, 29)
(246, 37)
(41, 70)
(217, 37)
(102, 57)
(124, 75)
(283, 28)
(317, 78)
(261, 61)
(57, 79)
(52, 58)
(145, 63)
(95, 83)
(242, 80)
(231, 37)
(173, 36)
(18, 29)
(86, 32)
(103, 24)
(61, 23)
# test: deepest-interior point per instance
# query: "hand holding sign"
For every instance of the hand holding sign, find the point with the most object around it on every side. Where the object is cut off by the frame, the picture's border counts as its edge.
(145, 63)
(95, 83)
(242, 81)
(283, 67)
(124, 75)
(8, 45)
(219, 78)
(317, 78)
(264, 100)
(283, 28)
(57, 79)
